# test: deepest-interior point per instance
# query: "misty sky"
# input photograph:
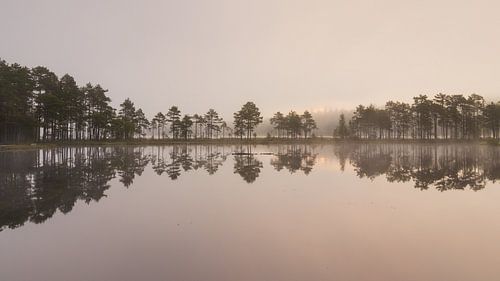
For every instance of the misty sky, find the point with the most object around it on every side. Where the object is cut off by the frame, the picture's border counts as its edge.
(281, 54)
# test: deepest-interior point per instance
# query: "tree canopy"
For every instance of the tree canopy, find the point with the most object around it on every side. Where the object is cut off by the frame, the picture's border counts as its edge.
(247, 119)
(37, 105)
(442, 117)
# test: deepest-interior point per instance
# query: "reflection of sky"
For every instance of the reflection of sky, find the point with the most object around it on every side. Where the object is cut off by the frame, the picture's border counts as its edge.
(327, 163)
(325, 226)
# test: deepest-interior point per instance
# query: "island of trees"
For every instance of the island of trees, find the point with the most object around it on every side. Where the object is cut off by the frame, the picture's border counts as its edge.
(440, 117)
(38, 106)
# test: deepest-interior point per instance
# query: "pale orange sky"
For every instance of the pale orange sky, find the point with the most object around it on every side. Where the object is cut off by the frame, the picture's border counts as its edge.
(280, 54)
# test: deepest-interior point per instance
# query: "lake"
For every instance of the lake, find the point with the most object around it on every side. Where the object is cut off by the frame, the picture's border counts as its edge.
(282, 212)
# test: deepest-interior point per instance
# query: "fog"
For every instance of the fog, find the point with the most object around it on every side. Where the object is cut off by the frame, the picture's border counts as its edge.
(316, 55)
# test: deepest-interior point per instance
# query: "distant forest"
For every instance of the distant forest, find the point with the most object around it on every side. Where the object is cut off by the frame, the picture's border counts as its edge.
(441, 117)
(38, 106)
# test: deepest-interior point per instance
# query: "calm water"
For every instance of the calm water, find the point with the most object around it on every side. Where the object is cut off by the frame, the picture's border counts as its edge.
(339, 212)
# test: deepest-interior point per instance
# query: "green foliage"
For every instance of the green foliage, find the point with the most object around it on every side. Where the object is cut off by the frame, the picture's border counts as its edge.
(278, 122)
(293, 125)
(444, 117)
(212, 122)
(35, 105)
(158, 124)
(174, 118)
(185, 126)
(247, 119)
(308, 124)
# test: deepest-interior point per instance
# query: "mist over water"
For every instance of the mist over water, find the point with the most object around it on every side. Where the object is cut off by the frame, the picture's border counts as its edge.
(361, 211)
(261, 140)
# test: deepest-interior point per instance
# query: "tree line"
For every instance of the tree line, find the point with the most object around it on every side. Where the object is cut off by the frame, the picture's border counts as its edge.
(441, 117)
(293, 125)
(36, 105)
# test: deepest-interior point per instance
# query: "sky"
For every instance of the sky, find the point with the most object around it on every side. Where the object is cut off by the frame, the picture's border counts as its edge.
(309, 54)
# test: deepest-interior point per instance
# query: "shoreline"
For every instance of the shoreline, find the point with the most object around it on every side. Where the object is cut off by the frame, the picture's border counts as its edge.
(257, 141)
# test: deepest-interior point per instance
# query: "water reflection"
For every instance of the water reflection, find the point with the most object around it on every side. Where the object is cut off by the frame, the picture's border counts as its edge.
(174, 160)
(247, 166)
(443, 167)
(35, 184)
(294, 158)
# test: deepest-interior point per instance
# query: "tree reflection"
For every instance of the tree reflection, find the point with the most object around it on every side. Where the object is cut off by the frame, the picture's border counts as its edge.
(294, 158)
(183, 158)
(129, 162)
(444, 167)
(35, 184)
(246, 165)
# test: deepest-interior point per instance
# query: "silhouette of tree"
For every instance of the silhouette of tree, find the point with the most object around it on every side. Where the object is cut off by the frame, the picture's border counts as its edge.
(127, 120)
(199, 121)
(185, 127)
(342, 131)
(308, 123)
(159, 121)
(491, 114)
(35, 105)
(142, 124)
(444, 117)
(247, 119)
(293, 124)
(17, 118)
(174, 118)
(212, 122)
(278, 122)
(224, 128)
